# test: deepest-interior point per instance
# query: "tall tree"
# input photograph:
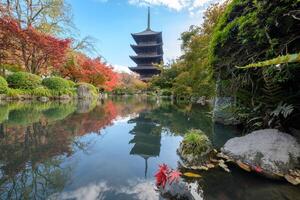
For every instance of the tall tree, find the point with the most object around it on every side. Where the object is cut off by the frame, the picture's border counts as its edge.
(48, 16)
(34, 50)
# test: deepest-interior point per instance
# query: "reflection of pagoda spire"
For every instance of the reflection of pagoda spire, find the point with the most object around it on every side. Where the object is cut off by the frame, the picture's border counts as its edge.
(146, 139)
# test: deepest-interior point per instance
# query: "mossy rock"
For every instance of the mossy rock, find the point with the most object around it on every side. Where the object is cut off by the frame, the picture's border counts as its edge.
(195, 149)
(86, 91)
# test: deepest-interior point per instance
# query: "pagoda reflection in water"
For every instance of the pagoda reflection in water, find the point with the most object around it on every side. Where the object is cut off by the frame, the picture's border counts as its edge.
(149, 52)
(147, 137)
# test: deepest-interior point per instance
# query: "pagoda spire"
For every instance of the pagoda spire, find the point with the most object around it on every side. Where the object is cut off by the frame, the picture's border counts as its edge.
(149, 18)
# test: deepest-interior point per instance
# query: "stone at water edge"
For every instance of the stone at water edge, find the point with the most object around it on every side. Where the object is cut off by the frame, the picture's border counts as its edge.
(84, 92)
(43, 99)
(271, 150)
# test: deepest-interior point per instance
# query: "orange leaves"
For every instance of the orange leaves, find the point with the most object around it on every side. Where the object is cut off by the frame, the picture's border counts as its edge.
(94, 71)
(40, 53)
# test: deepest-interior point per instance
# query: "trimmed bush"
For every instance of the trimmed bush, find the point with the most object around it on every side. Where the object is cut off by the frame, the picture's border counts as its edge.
(3, 85)
(23, 80)
(56, 83)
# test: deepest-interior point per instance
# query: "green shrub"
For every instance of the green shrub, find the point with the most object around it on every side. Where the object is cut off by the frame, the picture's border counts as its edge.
(166, 92)
(16, 92)
(41, 92)
(70, 92)
(71, 83)
(23, 80)
(56, 83)
(182, 92)
(3, 85)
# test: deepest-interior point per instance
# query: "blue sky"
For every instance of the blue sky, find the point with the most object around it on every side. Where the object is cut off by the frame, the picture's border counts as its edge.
(111, 22)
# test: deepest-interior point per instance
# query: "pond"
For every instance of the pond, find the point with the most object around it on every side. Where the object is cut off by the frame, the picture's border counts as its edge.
(111, 149)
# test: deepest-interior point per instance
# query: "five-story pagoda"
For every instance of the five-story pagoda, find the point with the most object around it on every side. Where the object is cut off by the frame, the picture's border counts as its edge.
(149, 52)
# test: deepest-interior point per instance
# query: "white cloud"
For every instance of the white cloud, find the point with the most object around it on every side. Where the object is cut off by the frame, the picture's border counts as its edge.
(137, 189)
(121, 68)
(91, 192)
(173, 4)
(178, 5)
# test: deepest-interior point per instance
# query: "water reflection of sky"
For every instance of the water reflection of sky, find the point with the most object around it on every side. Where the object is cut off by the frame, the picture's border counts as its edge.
(108, 170)
(134, 189)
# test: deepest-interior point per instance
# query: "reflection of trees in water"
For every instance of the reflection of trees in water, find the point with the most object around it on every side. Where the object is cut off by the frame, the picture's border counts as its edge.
(34, 181)
(35, 138)
(178, 118)
(30, 168)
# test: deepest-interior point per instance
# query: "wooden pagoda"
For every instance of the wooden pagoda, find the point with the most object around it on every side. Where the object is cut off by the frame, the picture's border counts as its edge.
(149, 51)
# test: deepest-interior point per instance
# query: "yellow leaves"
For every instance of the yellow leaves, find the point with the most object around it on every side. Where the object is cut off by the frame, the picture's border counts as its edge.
(192, 175)
(243, 166)
(292, 180)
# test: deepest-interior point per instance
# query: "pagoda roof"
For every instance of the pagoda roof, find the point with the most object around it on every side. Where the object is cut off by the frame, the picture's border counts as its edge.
(145, 56)
(147, 59)
(147, 45)
(146, 32)
(146, 67)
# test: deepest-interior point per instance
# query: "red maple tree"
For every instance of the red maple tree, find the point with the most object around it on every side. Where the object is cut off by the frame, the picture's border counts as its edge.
(82, 68)
(35, 51)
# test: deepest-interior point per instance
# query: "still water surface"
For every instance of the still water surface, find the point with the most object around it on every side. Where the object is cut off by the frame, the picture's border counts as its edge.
(111, 150)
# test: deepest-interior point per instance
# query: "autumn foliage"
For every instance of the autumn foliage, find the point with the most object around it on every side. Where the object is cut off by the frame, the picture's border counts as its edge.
(81, 68)
(165, 175)
(40, 53)
(36, 52)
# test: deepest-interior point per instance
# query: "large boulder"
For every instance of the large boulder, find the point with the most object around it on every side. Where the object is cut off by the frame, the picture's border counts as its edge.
(269, 152)
(86, 91)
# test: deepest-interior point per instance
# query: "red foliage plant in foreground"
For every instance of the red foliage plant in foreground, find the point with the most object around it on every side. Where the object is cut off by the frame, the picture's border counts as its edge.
(165, 175)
